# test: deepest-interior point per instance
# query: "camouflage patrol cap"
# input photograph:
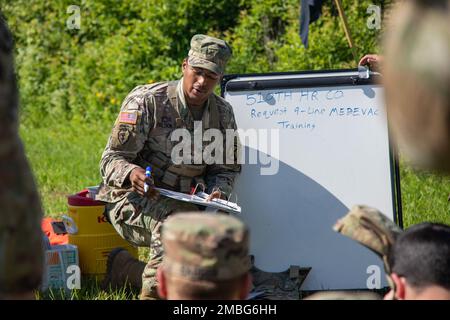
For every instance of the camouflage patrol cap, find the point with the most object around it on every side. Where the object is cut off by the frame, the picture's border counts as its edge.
(209, 53)
(371, 228)
(203, 246)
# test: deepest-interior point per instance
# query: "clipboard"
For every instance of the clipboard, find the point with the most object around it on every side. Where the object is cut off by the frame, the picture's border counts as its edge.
(199, 198)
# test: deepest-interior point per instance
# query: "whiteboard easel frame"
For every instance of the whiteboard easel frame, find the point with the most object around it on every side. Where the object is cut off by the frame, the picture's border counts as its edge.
(321, 78)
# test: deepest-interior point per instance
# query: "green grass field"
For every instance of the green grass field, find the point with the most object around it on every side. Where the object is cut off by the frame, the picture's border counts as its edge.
(65, 159)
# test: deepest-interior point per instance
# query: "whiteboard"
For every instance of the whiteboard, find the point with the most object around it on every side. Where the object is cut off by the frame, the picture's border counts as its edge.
(332, 152)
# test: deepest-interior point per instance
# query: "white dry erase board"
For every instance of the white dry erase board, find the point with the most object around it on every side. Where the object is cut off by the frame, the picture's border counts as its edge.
(333, 151)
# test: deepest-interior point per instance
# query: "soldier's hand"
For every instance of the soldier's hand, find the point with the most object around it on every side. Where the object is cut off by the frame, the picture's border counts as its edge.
(138, 178)
(214, 195)
(373, 60)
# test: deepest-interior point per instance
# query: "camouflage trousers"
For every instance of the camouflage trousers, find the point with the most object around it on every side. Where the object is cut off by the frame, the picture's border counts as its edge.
(138, 220)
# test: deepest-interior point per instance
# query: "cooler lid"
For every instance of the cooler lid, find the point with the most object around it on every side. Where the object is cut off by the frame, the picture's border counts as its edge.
(82, 200)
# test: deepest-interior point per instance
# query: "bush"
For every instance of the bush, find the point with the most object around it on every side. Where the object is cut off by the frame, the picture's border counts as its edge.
(85, 74)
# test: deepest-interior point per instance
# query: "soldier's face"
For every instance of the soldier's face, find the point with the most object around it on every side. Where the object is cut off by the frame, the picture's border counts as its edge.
(198, 84)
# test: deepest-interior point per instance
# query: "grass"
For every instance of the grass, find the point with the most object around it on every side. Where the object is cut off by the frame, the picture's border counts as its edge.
(424, 196)
(90, 290)
(65, 159)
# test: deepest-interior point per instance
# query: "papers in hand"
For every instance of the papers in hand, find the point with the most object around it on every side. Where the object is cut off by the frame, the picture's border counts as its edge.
(200, 199)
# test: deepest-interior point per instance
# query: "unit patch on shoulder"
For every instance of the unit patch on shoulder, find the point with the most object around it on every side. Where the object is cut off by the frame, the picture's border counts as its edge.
(128, 117)
(124, 134)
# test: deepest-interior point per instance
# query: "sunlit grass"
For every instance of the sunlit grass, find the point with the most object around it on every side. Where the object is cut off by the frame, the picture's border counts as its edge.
(90, 290)
(65, 159)
(424, 196)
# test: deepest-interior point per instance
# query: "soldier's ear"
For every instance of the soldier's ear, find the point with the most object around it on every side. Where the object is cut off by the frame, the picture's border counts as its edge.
(246, 287)
(162, 285)
(184, 64)
(400, 286)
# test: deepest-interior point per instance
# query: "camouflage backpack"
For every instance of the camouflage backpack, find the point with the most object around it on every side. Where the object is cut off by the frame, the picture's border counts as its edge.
(283, 285)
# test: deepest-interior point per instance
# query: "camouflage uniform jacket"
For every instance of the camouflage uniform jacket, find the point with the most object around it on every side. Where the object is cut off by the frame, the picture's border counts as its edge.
(141, 136)
(21, 247)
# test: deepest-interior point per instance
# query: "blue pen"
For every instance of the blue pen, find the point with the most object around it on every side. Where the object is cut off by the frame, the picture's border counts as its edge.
(148, 173)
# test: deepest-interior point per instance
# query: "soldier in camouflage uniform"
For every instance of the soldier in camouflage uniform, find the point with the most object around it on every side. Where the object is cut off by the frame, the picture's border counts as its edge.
(141, 137)
(416, 261)
(420, 263)
(374, 230)
(205, 257)
(21, 250)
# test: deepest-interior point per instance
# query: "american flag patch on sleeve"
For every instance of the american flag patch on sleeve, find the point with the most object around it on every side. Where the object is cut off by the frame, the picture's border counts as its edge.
(128, 117)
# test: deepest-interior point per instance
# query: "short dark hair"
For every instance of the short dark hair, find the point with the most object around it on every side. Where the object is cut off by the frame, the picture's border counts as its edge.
(421, 254)
(206, 290)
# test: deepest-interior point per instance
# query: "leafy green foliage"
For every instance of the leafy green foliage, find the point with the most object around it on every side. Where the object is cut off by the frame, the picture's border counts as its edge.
(267, 38)
(82, 75)
(72, 82)
(85, 73)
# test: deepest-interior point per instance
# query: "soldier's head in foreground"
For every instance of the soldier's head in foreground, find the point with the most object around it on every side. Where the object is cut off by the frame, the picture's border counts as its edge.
(206, 257)
(417, 261)
(372, 229)
(204, 67)
(420, 263)
(416, 75)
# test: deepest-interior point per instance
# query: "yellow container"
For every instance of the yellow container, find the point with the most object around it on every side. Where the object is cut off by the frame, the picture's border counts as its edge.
(95, 237)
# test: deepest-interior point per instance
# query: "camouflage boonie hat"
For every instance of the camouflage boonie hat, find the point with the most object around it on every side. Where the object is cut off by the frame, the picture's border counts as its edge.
(209, 53)
(203, 246)
(371, 228)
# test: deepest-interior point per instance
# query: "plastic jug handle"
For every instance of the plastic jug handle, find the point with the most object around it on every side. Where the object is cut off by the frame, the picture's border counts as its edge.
(70, 225)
